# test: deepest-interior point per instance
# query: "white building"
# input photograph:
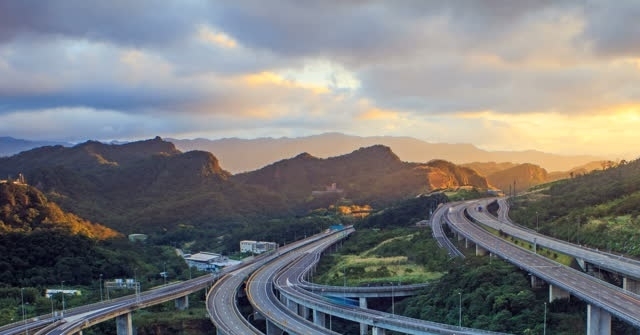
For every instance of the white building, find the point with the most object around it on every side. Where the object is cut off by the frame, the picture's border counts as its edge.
(204, 261)
(247, 246)
(49, 292)
(257, 247)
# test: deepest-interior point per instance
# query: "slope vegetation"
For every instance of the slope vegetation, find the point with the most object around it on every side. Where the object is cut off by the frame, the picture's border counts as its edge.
(600, 209)
(24, 209)
(151, 187)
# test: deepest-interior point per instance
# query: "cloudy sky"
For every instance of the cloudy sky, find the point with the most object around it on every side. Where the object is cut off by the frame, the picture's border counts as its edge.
(556, 76)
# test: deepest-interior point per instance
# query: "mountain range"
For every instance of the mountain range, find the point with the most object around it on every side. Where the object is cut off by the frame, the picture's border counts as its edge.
(11, 146)
(256, 153)
(151, 186)
(242, 155)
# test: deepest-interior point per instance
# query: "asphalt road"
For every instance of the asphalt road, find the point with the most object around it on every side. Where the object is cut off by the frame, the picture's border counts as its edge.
(606, 261)
(617, 301)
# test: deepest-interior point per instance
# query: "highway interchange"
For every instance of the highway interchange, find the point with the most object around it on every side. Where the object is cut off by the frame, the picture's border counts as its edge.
(223, 310)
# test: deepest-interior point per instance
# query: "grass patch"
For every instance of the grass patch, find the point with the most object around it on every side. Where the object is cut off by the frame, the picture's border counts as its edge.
(353, 270)
(393, 258)
(561, 258)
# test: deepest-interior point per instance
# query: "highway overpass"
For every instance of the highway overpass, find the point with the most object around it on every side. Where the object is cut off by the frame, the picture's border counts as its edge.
(292, 292)
(603, 298)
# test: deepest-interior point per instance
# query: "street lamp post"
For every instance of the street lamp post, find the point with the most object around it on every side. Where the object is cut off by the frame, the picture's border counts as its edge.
(460, 309)
(101, 287)
(62, 291)
(537, 223)
(164, 274)
(22, 300)
(393, 302)
(544, 328)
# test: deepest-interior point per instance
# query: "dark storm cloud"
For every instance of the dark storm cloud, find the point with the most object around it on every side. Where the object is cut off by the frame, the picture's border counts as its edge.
(140, 22)
(419, 56)
(363, 29)
(613, 27)
(108, 98)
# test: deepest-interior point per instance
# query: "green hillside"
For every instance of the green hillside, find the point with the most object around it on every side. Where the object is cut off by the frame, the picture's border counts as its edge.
(151, 187)
(600, 209)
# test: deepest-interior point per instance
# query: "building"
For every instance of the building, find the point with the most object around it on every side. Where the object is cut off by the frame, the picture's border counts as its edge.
(137, 237)
(257, 247)
(49, 292)
(329, 189)
(205, 261)
(247, 246)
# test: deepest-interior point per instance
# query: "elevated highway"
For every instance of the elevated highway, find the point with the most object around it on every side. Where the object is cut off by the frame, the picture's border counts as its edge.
(222, 298)
(600, 295)
(83, 317)
(295, 293)
(437, 220)
(263, 297)
(629, 268)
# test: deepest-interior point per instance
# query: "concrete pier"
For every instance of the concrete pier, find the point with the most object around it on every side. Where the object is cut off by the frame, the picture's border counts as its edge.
(598, 321)
(319, 318)
(557, 293)
(182, 303)
(124, 326)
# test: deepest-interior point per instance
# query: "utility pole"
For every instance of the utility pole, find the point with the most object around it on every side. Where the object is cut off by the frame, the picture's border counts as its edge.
(544, 328)
(62, 290)
(22, 300)
(460, 309)
(393, 302)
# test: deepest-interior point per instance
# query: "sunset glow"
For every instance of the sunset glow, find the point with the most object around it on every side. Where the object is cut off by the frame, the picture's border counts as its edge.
(560, 77)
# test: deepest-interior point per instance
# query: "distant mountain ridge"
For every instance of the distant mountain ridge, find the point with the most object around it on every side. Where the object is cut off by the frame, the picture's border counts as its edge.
(151, 185)
(366, 174)
(11, 146)
(506, 176)
(242, 155)
(256, 153)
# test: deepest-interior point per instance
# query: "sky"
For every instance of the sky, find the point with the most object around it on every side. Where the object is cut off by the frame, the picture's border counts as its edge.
(556, 76)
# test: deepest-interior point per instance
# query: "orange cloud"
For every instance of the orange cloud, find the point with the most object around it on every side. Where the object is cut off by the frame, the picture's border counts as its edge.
(378, 114)
(217, 38)
(270, 78)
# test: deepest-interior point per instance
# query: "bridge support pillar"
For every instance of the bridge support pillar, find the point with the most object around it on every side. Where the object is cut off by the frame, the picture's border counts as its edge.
(557, 293)
(378, 331)
(303, 311)
(460, 237)
(364, 329)
(258, 316)
(319, 318)
(536, 282)
(272, 329)
(363, 302)
(291, 305)
(480, 251)
(182, 303)
(468, 243)
(631, 285)
(598, 321)
(124, 325)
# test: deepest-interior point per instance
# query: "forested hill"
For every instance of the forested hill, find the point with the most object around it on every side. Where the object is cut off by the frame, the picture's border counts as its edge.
(24, 209)
(150, 186)
(141, 187)
(372, 175)
(600, 209)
